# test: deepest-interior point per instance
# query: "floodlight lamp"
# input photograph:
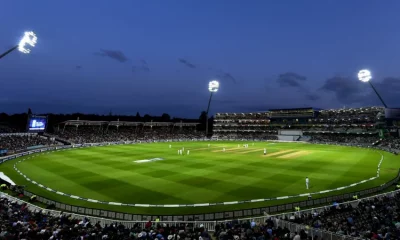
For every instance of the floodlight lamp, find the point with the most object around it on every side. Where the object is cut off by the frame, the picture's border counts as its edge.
(364, 75)
(213, 86)
(29, 40)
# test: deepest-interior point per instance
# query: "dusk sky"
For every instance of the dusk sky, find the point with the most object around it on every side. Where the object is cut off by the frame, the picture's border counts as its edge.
(158, 56)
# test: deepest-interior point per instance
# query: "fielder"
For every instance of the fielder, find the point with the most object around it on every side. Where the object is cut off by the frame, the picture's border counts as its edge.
(223, 149)
(208, 145)
(307, 182)
(187, 152)
(170, 146)
(265, 151)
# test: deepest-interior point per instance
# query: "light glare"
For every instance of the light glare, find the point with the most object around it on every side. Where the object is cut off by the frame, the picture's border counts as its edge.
(213, 86)
(364, 75)
(29, 39)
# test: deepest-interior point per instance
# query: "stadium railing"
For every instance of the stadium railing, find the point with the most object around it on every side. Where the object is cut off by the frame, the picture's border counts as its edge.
(312, 232)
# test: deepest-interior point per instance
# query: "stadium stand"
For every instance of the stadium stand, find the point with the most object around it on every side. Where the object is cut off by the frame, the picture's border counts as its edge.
(7, 129)
(350, 115)
(253, 229)
(370, 218)
(344, 139)
(80, 131)
(243, 126)
(376, 218)
(21, 141)
(19, 222)
(352, 120)
(349, 126)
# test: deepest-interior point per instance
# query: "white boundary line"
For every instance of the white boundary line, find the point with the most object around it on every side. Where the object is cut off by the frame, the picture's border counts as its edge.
(190, 205)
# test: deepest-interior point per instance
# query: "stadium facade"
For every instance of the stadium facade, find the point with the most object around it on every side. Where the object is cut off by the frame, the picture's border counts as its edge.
(365, 120)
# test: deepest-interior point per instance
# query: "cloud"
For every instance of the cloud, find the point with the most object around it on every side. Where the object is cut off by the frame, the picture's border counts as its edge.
(291, 79)
(312, 96)
(389, 89)
(113, 54)
(347, 90)
(390, 83)
(186, 63)
(143, 67)
(225, 76)
(296, 81)
(351, 91)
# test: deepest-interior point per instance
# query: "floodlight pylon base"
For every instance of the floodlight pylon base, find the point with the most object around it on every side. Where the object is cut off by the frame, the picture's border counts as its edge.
(208, 108)
(379, 96)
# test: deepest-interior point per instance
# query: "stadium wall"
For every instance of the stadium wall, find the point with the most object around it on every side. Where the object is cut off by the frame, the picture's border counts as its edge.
(287, 138)
(291, 132)
(193, 217)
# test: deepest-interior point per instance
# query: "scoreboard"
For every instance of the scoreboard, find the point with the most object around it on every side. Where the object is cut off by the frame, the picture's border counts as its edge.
(36, 123)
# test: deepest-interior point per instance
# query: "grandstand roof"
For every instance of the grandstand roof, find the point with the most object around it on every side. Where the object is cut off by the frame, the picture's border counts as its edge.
(158, 123)
(125, 123)
(353, 109)
(83, 122)
(186, 124)
(266, 112)
(290, 109)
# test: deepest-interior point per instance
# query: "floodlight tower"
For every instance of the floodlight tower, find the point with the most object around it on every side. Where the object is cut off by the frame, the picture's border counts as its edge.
(28, 40)
(213, 87)
(365, 76)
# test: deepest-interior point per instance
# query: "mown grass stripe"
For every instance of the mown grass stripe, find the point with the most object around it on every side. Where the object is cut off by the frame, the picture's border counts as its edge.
(203, 176)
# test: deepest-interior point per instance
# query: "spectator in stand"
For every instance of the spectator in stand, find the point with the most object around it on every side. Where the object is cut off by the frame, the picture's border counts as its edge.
(370, 219)
(18, 222)
(255, 230)
(393, 144)
(21, 142)
(95, 134)
(345, 139)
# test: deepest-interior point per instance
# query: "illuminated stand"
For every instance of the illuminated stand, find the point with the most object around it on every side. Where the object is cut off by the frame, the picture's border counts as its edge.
(365, 76)
(28, 41)
(213, 87)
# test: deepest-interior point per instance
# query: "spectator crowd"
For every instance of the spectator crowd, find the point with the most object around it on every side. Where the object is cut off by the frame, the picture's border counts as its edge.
(21, 142)
(18, 222)
(255, 230)
(345, 139)
(377, 218)
(95, 134)
(374, 218)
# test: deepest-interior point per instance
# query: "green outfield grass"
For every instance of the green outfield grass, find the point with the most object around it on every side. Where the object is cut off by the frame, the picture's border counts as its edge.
(207, 175)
